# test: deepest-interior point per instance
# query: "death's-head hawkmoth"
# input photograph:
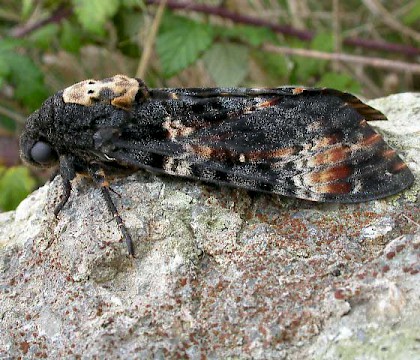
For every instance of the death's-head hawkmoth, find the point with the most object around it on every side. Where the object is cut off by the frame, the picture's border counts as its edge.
(312, 144)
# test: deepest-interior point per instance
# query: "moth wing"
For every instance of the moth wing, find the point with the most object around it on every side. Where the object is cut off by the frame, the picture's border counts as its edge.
(313, 144)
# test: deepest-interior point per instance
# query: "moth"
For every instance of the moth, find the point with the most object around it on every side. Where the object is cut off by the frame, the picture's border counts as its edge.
(308, 143)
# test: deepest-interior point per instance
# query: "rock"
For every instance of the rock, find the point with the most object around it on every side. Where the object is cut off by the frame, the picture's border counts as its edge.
(218, 272)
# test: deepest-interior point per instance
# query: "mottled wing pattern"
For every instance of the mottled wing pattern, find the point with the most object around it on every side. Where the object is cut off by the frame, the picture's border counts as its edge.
(312, 144)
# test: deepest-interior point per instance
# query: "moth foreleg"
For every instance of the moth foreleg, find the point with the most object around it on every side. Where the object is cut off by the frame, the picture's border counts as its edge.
(67, 174)
(98, 176)
(64, 197)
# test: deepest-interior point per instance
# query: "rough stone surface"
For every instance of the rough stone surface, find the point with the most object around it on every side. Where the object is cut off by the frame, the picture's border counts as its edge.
(219, 272)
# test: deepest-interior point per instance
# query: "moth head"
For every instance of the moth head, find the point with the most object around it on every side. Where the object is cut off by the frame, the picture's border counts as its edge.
(35, 147)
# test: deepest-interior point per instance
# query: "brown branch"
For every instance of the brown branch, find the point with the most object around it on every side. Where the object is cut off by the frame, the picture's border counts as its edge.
(56, 17)
(237, 18)
(284, 29)
(362, 60)
(383, 45)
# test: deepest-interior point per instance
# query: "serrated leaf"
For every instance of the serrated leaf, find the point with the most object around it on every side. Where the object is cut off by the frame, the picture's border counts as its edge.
(338, 81)
(227, 63)
(15, 184)
(93, 14)
(182, 45)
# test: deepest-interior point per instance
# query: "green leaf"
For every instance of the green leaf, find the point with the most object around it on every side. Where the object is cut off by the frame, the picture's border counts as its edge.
(276, 66)
(7, 124)
(43, 37)
(128, 24)
(227, 63)
(338, 81)
(4, 70)
(27, 8)
(8, 44)
(70, 37)
(306, 68)
(27, 79)
(250, 34)
(414, 15)
(323, 42)
(133, 3)
(93, 14)
(15, 184)
(182, 45)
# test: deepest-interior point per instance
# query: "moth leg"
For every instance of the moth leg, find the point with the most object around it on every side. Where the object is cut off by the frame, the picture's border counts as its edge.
(98, 176)
(67, 174)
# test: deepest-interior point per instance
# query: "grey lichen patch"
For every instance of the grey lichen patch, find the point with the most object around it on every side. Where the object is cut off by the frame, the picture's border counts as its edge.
(402, 110)
(384, 298)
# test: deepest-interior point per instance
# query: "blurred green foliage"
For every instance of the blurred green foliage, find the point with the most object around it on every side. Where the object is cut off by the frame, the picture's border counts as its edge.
(15, 184)
(48, 45)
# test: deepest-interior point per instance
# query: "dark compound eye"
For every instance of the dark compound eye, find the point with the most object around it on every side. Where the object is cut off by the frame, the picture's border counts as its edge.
(42, 153)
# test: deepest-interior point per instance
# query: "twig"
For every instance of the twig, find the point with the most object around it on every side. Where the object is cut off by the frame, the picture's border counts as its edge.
(56, 17)
(147, 49)
(12, 115)
(284, 29)
(382, 45)
(237, 18)
(376, 7)
(369, 61)
(336, 26)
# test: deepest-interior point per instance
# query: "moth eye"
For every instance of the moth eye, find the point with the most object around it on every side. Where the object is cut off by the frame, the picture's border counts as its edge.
(43, 154)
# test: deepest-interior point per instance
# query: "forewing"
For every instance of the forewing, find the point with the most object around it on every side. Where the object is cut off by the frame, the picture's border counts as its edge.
(307, 143)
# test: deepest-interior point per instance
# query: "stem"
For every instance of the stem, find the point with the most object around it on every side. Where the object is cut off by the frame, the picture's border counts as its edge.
(12, 115)
(56, 17)
(147, 49)
(370, 61)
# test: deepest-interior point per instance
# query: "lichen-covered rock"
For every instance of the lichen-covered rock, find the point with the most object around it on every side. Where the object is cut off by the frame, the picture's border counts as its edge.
(218, 272)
